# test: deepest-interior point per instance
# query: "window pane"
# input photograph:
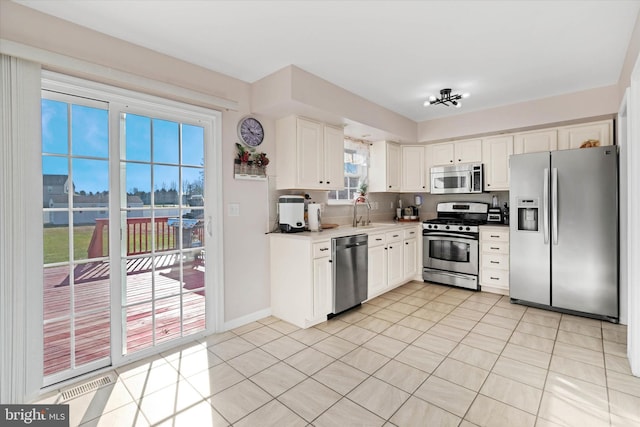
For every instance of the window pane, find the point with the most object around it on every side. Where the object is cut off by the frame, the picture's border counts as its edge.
(165, 142)
(89, 131)
(138, 146)
(55, 131)
(193, 186)
(91, 181)
(192, 145)
(55, 182)
(165, 185)
(138, 181)
(56, 238)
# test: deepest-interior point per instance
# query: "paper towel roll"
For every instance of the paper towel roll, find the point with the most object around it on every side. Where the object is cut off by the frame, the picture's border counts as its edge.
(314, 217)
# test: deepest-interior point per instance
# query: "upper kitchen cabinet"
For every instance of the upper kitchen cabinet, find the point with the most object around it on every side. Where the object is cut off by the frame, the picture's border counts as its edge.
(448, 153)
(534, 142)
(385, 168)
(495, 156)
(575, 136)
(310, 155)
(414, 175)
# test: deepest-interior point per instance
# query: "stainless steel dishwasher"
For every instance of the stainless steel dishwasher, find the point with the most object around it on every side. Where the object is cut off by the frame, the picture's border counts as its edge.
(349, 270)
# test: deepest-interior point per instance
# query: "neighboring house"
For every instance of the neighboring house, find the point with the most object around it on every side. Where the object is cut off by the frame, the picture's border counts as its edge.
(83, 201)
(52, 186)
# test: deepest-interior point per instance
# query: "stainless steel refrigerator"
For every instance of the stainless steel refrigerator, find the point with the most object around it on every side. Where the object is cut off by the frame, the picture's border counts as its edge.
(564, 230)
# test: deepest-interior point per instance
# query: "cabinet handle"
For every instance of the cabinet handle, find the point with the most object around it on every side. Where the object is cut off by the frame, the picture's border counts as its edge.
(386, 249)
(320, 182)
(494, 278)
(390, 247)
(395, 235)
(423, 186)
(450, 161)
(494, 262)
(328, 182)
(495, 236)
(488, 185)
(378, 239)
(324, 249)
(389, 186)
(459, 160)
(495, 249)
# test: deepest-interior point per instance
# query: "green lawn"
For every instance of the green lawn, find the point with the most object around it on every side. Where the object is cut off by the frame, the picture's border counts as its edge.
(56, 243)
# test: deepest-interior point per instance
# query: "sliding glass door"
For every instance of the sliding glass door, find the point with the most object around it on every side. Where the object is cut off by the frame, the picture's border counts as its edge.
(126, 227)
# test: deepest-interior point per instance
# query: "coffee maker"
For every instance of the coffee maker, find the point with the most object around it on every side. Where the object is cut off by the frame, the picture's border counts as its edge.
(291, 214)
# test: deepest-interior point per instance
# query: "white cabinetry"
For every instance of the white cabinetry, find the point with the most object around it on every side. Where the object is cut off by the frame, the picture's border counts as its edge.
(377, 265)
(310, 155)
(495, 156)
(414, 176)
(410, 253)
(301, 291)
(534, 142)
(395, 254)
(321, 279)
(448, 153)
(494, 259)
(574, 136)
(385, 169)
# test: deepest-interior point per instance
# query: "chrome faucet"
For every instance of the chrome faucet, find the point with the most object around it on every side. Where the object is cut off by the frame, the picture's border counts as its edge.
(357, 220)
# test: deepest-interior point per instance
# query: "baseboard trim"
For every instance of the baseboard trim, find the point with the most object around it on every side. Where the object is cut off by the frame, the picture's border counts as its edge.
(241, 321)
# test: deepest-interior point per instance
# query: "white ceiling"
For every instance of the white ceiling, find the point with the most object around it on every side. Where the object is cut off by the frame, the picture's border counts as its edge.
(394, 53)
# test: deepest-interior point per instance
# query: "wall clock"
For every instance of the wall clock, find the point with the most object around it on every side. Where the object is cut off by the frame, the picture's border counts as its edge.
(250, 131)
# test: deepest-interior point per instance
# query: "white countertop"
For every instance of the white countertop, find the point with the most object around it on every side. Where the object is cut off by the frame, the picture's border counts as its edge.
(348, 230)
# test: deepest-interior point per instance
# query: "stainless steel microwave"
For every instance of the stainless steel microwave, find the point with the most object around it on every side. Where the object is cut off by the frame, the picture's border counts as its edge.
(463, 178)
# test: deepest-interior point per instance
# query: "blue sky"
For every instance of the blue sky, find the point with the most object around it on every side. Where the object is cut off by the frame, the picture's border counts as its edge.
(90, 138)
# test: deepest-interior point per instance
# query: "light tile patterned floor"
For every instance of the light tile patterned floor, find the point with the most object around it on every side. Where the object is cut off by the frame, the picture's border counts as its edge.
(420, 355)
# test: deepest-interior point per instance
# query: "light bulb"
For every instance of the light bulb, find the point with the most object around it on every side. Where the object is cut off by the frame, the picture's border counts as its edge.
(457, 104)
(427, 103)
(432, 98)
(466, 95)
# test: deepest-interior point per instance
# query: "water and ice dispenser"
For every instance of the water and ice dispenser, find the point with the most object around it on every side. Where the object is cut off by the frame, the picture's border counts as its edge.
(527, 213)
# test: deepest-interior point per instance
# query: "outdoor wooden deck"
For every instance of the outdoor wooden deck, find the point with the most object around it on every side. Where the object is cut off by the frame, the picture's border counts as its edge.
(92, 295)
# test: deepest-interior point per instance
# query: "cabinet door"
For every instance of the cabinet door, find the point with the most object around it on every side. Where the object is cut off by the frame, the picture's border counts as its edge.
(333, 158)
(321, 287)
(393, 167)
(442, 154)
(495, 156)
(310, 142)
(574, 136)
(395, 266)
(535, 142)
(428, 162)
(377, 271)
(413, 173)
(468, 151)
(410, 258)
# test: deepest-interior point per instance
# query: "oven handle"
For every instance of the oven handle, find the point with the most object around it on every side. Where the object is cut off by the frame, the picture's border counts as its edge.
(460, 236)
(450, 273)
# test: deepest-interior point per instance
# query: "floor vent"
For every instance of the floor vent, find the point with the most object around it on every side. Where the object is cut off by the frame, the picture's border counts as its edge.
(86, 387)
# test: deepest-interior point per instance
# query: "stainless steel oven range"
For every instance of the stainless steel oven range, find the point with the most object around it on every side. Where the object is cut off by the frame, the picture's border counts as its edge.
(450, 243)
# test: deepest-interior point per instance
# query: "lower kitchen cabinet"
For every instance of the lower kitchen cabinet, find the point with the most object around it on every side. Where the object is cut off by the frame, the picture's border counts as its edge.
(395, 255)
(410, 248)
(322, 301)
(301, 291)
(494, 259)
(377, 265)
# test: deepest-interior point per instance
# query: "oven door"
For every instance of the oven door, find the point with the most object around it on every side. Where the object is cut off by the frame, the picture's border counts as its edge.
(457, 253)
(451, 182)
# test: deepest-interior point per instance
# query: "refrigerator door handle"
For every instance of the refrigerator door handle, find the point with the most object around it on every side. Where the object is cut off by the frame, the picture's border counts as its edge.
(554, 205)
(545, 206)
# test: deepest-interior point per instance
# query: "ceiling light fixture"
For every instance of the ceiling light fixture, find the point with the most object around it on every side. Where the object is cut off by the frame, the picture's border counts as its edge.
(446, 98)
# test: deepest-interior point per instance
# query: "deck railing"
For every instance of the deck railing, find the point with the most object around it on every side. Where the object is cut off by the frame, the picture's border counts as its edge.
(139, 233)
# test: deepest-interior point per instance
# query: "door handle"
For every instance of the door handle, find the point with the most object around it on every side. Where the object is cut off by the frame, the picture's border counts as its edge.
(545, 207)
(554, 205)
